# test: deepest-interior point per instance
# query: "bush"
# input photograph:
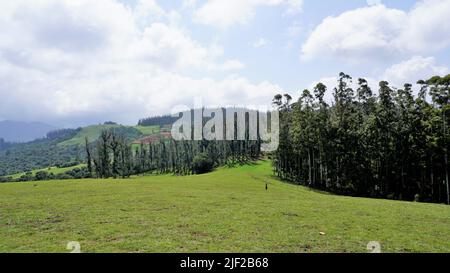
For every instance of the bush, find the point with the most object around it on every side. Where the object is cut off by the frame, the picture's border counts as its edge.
(78, 173)
(63, 176)
(42, 175)
(202, 164)
(6, 179)
(26, 177)
(67, 164)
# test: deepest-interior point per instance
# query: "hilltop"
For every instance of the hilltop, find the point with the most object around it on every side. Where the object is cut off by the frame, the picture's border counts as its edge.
(93, 132)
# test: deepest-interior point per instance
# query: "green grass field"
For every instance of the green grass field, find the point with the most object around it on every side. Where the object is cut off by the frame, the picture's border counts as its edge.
(92, 132)
(225, 211)
(53, 170)
(148, 130)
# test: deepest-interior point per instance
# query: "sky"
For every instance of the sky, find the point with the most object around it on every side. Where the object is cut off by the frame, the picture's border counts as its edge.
(77, 62)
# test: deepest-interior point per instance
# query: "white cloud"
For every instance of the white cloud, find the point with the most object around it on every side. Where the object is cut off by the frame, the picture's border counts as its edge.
(148, 8)
(123, 94)
(226, 13)
(260, 43)
(428, 27)
(356, 34)
(170, 47)
(294, 7)
(70, 61)
(294, 30)
(414, 69)
(378, 31)
(408, 71)
(189, 3)
(233, 65)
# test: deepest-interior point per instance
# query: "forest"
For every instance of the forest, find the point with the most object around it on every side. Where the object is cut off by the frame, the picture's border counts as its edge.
(113, 156)
(392, 145)
(49, 152)
(40, 153)
(157, 120)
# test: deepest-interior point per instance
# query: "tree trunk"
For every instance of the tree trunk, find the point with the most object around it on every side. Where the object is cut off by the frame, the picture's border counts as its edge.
(446, 178)
(446, 159)
(432, 180)
(309, 167)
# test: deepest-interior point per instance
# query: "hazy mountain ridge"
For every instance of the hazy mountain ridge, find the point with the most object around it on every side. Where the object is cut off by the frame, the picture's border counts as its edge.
(18, 131)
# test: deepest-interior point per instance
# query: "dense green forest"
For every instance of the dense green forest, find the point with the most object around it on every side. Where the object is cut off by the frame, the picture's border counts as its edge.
(157, 121)
(113, 156)
(48, 152)
(39, 153)
(391, 145)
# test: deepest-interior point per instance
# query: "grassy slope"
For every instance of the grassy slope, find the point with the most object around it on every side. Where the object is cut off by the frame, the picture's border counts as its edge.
(225, 211)
(54, 170)
(94, 131)
(148, 130)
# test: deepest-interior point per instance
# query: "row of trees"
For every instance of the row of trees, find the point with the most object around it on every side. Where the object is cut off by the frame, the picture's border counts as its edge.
(75, 173)
(157, 121)
(113, 156)
(390, 145)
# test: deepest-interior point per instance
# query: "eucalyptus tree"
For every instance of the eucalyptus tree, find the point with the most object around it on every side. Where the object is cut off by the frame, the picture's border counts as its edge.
(393, 145)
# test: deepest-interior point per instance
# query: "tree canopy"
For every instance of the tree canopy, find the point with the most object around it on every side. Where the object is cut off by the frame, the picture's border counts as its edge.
(393, 145)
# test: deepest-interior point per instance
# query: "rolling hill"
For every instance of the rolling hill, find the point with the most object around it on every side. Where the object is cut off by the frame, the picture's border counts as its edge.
(38, 154)
(62, 147)
(93, 132)
(225, 211)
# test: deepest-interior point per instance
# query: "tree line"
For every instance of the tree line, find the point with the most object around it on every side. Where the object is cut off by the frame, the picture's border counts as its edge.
(113, 156)
(391, 145)
(157, 121)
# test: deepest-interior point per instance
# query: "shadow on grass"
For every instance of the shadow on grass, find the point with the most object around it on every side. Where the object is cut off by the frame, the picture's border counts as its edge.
(252, 163)
(319, 191)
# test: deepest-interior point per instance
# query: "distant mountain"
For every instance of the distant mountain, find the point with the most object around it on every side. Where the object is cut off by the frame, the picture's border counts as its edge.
(17, 131)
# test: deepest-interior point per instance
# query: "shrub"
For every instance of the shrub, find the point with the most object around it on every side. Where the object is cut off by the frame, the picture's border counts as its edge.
(42, 175)
(26, 177)
(67, 164)
(78, 173)
(6, 179)
(202, 164)
(63, 176)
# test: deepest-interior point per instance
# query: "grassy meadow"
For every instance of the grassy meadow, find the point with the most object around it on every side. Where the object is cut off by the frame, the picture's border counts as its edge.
(228, 210)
